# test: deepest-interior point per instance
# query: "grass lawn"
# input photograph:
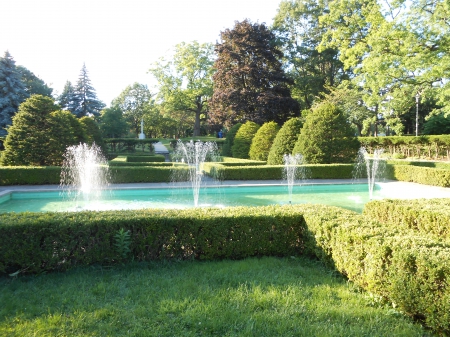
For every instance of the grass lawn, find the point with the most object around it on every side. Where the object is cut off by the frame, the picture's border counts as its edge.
(252, 297)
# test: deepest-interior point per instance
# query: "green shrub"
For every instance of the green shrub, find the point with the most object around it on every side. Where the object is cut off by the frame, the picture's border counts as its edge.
(243, 140)
(263, 140)
(425, 216)
(327, 137)
(38, 242)
(417, 174)
(284, 141)
(147, 174)
(146, 159)
(275, 172)
(400, 267)
(30, 175)
(229, 140)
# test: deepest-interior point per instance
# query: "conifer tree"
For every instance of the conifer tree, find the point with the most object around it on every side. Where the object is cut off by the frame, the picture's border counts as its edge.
(12, 91)
(85, 99)
(243, 140)
(263, 140)
(284, 141)
(66, 99)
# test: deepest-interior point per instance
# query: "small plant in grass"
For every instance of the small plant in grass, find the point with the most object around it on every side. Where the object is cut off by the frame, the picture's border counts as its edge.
(122, 243)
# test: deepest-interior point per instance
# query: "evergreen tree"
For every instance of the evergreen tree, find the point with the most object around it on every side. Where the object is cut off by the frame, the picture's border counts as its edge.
(250, 83)
(263, 140)
(327, 137)
(12, 91)
(67, 100)
(243, 140)
(40, 133)
(33, 84)
(85, 99)
(284, 141)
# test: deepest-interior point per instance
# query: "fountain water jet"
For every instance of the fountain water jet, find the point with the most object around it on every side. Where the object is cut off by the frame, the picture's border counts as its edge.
(374, 167)
(84, 173)
(292, 171)
(194, 154)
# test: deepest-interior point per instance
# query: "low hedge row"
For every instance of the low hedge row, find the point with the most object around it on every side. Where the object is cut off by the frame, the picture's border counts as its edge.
(418, 174)
(425, 216)
(276, 172)
(435, 164)
(30, 175)
(148, 174)
(36, 242)
(155, 164)
(146, 159)
(411, 271)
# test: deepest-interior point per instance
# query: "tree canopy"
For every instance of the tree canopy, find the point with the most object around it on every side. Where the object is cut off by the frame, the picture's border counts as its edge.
(12, 91)
(40, 133)
(85, 101)
(185, 82)
(250, 83)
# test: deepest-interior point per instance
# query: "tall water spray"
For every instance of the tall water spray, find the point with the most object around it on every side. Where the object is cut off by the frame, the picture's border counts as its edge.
(292, 171)
(194, 154)
(374, 167)
(84, 173)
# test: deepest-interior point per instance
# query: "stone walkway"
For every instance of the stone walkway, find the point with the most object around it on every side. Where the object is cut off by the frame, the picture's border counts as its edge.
(161, 149)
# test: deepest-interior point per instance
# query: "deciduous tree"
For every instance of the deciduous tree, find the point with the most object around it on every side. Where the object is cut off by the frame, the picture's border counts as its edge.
(185, 82)
(250, 83)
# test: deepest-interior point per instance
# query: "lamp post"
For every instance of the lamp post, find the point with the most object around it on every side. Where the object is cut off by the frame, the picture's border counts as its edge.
(417, 113)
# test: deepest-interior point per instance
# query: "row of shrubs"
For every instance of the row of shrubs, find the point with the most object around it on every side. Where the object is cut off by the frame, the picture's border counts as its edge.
(396, 264)
(120, 160)
(129, 144)
(142, 172)
(437, 147)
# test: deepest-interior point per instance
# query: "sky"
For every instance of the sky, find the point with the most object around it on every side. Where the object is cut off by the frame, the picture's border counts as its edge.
(118, 40)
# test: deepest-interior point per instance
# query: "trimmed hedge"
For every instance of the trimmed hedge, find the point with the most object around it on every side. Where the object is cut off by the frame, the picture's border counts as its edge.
(395, 264)
(417, 174)
(146, 159)
(36, 242)
(29, 175)
(275, 172)
(148, 174)
(154, 164)
(424, 216)
(408, 270)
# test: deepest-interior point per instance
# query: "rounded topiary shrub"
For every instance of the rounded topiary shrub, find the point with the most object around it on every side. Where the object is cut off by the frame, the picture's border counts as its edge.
(263, 140)
(284, 141)
(327, 137)
(243, 140)
(226, 148)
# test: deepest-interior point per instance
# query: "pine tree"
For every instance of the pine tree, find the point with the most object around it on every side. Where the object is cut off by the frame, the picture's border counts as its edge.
(85, 99)
(12, 91)
(66, 99)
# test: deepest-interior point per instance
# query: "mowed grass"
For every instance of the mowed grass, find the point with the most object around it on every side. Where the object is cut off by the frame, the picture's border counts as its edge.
(251, 297)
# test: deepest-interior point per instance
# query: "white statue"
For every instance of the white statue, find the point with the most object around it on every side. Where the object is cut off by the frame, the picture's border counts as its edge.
(141, 135)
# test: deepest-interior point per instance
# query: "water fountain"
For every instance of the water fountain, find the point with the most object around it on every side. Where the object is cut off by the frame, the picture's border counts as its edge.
(194, 154)
(84, 173)
(374, 167)
(292, 171)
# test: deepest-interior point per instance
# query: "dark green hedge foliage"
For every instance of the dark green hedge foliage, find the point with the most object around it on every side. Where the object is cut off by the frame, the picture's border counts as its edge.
(418, 174)
(146, 159)
(424, 216)
(275, 172)
(58, 241)
(399, 266)
(147, 174)
(29, 175)
(154, 164)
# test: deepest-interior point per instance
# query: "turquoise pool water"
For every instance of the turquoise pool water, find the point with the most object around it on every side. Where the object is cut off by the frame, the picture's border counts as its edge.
(350, 196)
